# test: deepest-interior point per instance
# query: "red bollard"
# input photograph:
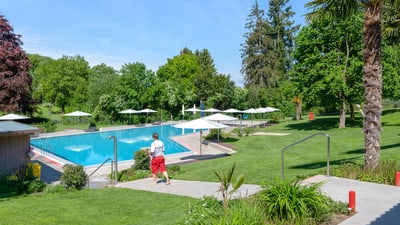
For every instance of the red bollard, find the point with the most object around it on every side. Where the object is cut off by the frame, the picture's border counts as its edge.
(397, 180)
(352, 201)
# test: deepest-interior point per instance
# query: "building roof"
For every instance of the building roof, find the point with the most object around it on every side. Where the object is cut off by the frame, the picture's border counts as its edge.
(8, 128)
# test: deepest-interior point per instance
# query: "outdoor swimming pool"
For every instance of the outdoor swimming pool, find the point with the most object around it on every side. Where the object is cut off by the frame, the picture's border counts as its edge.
(95, 147)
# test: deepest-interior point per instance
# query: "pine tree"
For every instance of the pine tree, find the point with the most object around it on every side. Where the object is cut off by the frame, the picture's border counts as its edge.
(282, 31)
(255, 67)
(15, 80)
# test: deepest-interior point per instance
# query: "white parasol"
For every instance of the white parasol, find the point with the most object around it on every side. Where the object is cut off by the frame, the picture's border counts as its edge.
(200, 124)
(13, 116)
(212, 110)
(78, 114)
(147, 111)
(129, 111)
(219, 117)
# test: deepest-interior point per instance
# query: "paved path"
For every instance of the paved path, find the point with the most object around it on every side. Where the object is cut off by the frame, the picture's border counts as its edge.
(195, 189)
(376, 204)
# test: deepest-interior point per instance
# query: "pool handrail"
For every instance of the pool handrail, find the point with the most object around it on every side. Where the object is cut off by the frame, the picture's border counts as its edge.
(88, 177)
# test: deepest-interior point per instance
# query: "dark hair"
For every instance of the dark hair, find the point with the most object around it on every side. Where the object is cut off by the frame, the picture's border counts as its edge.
(155, 135)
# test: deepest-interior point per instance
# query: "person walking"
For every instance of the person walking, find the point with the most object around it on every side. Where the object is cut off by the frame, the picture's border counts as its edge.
(157, 159)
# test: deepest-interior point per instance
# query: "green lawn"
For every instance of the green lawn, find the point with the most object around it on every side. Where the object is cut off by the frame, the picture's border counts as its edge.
(257, 157)
(106, 206)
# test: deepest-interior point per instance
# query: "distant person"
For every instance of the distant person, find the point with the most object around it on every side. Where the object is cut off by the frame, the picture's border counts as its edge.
(157, 159)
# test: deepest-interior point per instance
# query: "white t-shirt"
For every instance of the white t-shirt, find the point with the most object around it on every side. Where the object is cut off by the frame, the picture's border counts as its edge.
(157, 148)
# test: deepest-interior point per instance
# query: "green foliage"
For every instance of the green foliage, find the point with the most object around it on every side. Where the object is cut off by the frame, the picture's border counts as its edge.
(34, 186)
(102, 80)
(203, 211)
(63, 82)
(22, 182)
(213, 134)
(226, 181)
(132, 174)
(247, 131)
(49, 126)
(142, 160)
(209, 210)
(242, 211)
(54, 189)
(384, 173)
(74, 177)
(292, 202)
(328, 62)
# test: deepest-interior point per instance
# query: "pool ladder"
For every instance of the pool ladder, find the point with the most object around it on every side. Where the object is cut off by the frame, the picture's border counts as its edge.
(101, 165)
(44, 144)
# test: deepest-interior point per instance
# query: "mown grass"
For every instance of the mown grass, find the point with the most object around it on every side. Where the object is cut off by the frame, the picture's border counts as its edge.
(259, 157)
(105, 206)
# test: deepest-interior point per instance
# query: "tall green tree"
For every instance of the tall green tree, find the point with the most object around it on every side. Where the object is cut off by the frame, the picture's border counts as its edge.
(102, 80)
(15, 79)
(328, 63)
(372, 66)
(258, 44)
(133, 84)
(283, 30)
(177, 77)
(40, 67)
(266, 53)
(207, 72)
(64, 82)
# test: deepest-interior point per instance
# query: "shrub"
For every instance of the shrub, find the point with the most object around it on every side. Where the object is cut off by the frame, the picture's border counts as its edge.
(142, 160)
(226, 180)
(73, 177)
(384, 173)
(55, 189)
(174, 169)
(293, 203)
(242, 211)
(131, 174)
(203, 211)
(49, 126)
(22, 182)
(209, 210)
(34, 186)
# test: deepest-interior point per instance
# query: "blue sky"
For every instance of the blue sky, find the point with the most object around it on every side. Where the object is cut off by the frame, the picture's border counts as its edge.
(127, 31)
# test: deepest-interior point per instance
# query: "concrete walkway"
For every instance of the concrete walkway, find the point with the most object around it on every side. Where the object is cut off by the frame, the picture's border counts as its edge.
(376, 204)
(195, 189)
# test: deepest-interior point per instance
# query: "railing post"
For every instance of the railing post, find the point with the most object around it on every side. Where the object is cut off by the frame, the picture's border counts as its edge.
(329, 154)
(115, 162)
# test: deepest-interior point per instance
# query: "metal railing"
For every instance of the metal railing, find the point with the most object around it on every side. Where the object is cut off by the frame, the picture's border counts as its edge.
(302, 140)
(101, 165)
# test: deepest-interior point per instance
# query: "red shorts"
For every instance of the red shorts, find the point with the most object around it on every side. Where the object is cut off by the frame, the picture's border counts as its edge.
(158, 163)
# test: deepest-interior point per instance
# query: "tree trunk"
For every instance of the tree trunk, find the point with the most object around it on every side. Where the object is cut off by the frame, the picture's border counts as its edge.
(352, 116)
(342, 120)
(298, 110)
(372, 70)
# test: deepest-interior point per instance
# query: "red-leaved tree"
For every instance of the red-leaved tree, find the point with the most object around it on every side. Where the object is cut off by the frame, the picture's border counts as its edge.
(15, 80)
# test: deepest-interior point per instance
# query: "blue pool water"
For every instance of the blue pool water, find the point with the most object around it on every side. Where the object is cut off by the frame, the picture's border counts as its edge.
(95, 147)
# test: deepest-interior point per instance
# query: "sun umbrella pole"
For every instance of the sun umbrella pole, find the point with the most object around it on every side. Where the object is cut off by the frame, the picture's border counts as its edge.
(240, 127)
(201, 144)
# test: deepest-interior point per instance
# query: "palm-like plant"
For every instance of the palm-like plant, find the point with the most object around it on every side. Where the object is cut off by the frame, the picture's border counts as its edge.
(226, 180)
(372, 68)
(391, 22)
